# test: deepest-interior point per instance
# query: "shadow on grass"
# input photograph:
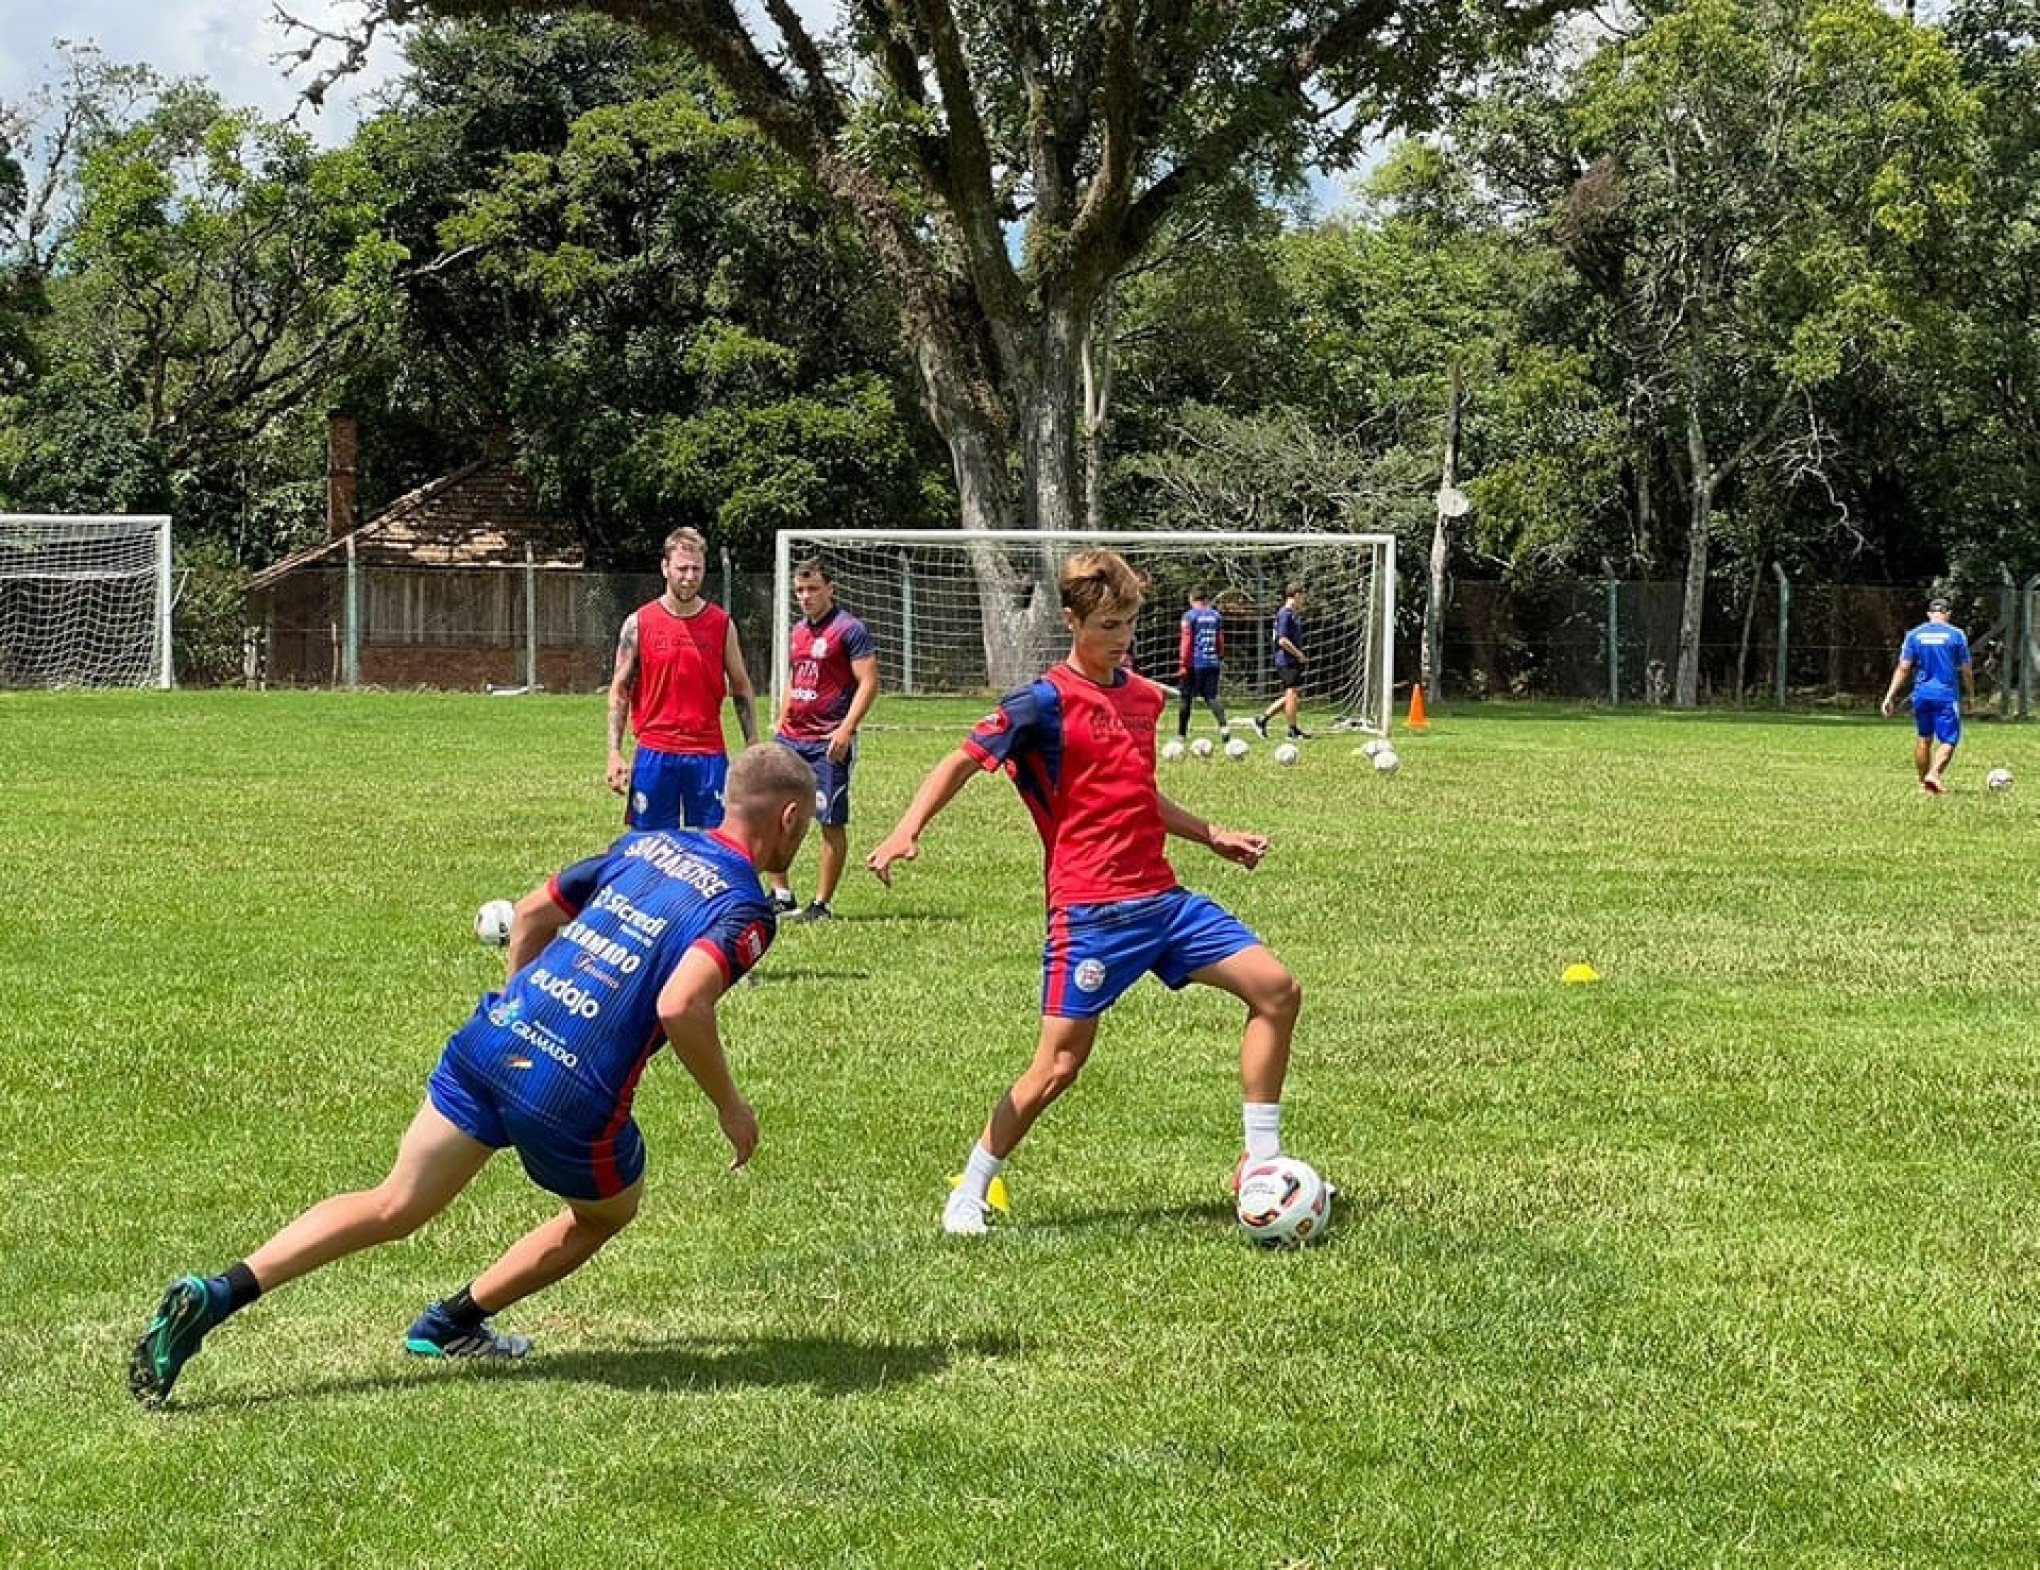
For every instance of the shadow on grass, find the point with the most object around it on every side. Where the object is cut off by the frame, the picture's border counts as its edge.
(828, 1365)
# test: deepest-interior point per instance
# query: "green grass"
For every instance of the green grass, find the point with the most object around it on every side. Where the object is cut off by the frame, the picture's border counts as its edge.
(1733, 1256)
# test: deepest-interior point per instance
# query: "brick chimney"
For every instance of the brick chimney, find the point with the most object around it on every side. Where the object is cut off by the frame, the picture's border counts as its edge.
(343, 442)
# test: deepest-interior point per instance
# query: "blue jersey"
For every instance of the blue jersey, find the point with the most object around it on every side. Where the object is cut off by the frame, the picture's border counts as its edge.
(1937, 651)
(1288, 625)
(569, 1035)
(1203, 641)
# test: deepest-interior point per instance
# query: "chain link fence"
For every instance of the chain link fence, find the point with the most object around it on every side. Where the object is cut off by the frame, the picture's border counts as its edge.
(471, 628)
(1775, 645)
(1784, 645)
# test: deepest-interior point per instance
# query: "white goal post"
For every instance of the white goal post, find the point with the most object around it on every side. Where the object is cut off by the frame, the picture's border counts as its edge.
(974, 612)
(84, 601)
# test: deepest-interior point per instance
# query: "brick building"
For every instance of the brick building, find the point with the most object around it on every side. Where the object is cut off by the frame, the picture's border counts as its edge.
(464, 582)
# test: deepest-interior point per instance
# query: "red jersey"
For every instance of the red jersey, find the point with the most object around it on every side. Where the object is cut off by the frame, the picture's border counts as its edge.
(1083, 756)
(822, 658)
(677, 703)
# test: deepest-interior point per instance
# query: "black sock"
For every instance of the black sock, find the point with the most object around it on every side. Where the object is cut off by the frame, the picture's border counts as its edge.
(232, 1290)
(463, 1310)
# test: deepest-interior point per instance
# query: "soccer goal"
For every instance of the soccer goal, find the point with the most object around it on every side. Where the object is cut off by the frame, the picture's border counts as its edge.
(84, 601)
(971, 612)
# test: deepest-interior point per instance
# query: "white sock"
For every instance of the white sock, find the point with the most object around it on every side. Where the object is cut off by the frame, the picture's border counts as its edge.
(978, 1173)
(1263, 1120)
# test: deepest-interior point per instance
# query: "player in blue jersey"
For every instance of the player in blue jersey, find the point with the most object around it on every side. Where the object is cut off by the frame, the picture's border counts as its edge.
(608, 960)
(1200, 656)
(1935, 655)
(1290, 658)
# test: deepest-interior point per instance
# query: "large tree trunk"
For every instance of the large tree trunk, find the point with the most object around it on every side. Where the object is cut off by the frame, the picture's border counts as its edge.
(1700, 520)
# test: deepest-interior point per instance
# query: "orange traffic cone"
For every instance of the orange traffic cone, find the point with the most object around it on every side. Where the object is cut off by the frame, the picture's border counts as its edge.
(1416, 720)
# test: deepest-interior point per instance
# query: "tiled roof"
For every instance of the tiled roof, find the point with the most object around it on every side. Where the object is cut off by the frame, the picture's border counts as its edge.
(479, 516)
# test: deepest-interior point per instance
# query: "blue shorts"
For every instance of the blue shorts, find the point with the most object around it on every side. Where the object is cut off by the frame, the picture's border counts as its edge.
(1201, 684)
(1940, 718)
(1095, 952)
(1291, 676)
(672, 790)
(832, 780)
(556, 1159)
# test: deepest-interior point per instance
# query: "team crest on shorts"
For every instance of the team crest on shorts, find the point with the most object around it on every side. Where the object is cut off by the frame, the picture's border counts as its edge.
(1090, 975)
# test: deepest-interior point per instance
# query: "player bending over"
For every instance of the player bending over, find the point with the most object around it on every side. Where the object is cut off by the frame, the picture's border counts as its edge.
(1080, 745)
(607, 959)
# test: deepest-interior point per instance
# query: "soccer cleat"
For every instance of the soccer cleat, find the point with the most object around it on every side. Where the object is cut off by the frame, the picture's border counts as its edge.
(816, 911)
(1298, 733)
(1261, 726)
(434, 1334)
(172, 1340)
(784, 904)
(961, 1218)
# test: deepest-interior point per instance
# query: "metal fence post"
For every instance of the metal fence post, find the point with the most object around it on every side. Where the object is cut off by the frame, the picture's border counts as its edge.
(2026, 648)
(1784, 628)
(2015, 656)
(1614, 645)
(530, 618)
(350, 646)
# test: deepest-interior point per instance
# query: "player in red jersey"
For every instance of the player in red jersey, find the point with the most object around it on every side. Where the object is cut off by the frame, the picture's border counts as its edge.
(1080, 745)
(676, 658)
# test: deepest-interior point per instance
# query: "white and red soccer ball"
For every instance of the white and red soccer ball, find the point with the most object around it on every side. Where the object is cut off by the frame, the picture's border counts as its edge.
(1283, 1202)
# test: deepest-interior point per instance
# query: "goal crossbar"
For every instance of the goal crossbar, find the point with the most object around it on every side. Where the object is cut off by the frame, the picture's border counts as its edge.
(962, 611)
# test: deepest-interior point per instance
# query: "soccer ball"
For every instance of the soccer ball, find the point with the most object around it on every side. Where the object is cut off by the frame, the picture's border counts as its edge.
(1171, 751)
(492, 922)
(1201, 746)
(1287, 754)
(1283, 1203)
(1236, 749)
(1999, 779)
(1386, 762)
(1374, 746)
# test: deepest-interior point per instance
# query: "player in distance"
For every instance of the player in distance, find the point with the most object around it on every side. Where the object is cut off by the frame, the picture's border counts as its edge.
(1935, 655)
(607, 960)
(1080, 745)
(832, 666)
(676, 659)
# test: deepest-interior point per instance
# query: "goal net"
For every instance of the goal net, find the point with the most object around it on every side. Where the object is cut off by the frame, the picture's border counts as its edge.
(956, 612)
(84, 602)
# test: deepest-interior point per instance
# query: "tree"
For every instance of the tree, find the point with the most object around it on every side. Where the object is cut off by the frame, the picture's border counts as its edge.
(1764, 183)
(1004, 163)
(204, 271)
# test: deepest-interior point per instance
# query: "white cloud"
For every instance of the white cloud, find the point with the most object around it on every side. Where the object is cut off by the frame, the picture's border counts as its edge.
(232, 44)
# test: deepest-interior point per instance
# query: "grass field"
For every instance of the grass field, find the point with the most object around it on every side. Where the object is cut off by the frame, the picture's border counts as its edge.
(1733, 1256)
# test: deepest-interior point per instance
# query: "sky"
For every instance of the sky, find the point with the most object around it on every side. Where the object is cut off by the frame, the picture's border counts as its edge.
(233, 44)
(230, 43)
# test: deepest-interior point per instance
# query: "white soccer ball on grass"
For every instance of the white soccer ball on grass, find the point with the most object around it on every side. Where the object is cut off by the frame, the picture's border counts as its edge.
(492, 922)
(1374, 746)
(1386, 762)
(1283, 1202)
(1236, 749)
(1172, 751)
(1286, 754)
(1999, 779)
(1201, 747)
